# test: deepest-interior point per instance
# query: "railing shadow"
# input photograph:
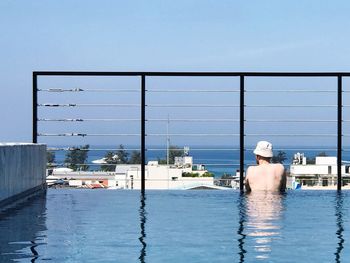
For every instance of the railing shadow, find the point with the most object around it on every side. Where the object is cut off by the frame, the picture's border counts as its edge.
(143, 220)
(340, 226)
(242, 220)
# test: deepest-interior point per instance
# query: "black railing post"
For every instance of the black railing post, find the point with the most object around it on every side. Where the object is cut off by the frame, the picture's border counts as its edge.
(35, 108)
(340, 132)
(143, 131)
(241, 134)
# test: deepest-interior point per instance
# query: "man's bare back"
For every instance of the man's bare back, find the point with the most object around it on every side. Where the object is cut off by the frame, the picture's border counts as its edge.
(267, 177)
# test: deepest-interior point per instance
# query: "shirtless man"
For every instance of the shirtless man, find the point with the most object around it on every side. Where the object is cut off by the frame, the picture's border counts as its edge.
(265, 176)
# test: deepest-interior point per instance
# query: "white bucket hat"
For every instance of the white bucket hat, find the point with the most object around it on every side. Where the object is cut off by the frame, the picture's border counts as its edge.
(264, 149)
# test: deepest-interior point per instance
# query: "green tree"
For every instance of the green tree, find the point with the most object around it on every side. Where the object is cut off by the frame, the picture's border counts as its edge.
(313, 159)
(279, 158)
(174, 151)
(135, 157)
(76, 158)
(122, 155)
(111, 160)
(50, 157)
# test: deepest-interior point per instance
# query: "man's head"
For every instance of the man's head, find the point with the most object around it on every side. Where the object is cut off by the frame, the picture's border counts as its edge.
(263, 151)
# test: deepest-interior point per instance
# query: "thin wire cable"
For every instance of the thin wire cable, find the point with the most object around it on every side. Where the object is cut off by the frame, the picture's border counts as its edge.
(87, 134)
(87, 105)
(196, 149)
(59, 90)
(286, 120)
(221, 164)
(194, 120)
(190, 106)
(91, 149)
(83, 164)
(290, 106)
(292, 91)
(185, 120)
(138, 149)
(298, 149)
(192, 134)
(149, 120)
(186, 134)
(82, 120)
(194, 90)
(294, 135)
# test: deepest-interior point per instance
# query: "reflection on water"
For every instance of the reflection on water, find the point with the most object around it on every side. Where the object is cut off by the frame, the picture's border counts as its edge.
(242, 218)
(143, 220)
(260, 221)
(21, 229)
(340, 228)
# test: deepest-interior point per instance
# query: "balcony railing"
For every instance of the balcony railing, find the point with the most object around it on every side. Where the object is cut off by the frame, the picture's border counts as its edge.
(243, 112)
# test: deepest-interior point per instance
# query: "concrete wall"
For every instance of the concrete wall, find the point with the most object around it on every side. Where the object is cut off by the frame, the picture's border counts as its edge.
(22, 170)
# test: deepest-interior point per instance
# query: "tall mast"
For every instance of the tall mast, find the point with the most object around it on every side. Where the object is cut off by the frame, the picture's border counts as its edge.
(167, 142)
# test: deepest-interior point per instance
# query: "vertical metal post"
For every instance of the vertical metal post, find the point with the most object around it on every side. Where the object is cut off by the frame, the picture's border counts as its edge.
(35, 108)
(143, 131)
(241, 134)
(339, 135)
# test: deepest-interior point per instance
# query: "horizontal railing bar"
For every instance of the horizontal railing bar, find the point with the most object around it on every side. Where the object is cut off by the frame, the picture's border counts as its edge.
(194, 74)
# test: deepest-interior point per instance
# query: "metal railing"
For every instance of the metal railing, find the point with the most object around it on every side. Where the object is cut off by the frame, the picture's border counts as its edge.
(241, 107)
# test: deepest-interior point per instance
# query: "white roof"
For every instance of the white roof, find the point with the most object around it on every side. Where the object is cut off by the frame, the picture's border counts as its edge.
(123, 168)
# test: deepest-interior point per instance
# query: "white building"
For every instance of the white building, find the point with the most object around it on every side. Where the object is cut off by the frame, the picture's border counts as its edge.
(177, 176)
(322, 173)
(182, 175)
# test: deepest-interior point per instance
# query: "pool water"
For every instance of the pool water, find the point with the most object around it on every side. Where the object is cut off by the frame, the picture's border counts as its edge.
(70, 225)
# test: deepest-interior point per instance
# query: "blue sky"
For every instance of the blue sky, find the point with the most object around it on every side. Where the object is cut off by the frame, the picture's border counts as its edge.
(162, 36)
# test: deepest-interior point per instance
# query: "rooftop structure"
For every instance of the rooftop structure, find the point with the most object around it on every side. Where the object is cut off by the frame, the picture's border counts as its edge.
(321, 173)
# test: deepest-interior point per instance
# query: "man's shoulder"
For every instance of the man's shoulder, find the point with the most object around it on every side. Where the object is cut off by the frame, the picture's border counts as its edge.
(278, 165)
(279, 168)
(250, 170)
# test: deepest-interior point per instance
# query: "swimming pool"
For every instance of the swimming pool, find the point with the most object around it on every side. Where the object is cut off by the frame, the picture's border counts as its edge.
(68, 225)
